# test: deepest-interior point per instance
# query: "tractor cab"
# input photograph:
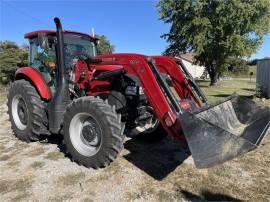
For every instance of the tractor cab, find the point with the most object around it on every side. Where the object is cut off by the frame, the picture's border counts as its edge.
(43, 51)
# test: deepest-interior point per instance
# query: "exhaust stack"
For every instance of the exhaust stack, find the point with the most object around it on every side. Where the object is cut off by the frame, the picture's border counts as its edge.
(61, 99)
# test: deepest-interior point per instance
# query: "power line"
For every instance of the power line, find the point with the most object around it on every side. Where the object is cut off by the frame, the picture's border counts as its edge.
(24, 13)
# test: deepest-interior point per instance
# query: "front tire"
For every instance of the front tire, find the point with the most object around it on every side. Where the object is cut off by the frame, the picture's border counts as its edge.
(93, 133)
(26, 112)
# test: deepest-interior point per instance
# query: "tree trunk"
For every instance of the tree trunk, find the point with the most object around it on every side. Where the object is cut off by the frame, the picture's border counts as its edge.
(213, 76)
(214, 79)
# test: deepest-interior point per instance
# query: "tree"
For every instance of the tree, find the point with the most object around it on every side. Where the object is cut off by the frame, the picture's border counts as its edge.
(215, 30)
(11, 56)
(253, 62)
(104, 46)
(238, 66)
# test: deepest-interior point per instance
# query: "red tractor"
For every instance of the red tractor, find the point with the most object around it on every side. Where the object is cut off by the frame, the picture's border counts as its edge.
(93, 100)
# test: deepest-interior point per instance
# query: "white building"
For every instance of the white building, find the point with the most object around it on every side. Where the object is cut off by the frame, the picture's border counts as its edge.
(195, 70)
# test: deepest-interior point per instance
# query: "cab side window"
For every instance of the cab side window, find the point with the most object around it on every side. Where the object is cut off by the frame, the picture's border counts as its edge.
(44, 60)
(41, 58)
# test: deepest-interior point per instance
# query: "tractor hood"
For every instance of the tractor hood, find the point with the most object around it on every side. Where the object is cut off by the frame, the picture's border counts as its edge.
(108, 67)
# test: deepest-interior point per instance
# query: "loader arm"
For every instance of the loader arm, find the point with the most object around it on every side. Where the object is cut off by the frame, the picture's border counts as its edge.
(181, 79)
(138, 65)
(215, 133)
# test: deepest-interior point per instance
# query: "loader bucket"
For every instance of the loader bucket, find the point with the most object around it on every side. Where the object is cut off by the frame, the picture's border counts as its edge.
(220, 132)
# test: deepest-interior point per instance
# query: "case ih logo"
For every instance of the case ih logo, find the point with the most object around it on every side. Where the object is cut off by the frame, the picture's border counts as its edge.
(185, 105)
(109, 59)
(134, 62)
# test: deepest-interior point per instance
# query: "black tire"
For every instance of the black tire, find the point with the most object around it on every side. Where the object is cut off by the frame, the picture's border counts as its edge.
(36, 118)
(110, 133)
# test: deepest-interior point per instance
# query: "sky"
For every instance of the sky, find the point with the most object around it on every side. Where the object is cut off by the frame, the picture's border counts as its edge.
(133, 26)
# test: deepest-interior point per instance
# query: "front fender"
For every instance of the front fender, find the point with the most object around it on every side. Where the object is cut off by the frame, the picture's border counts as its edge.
(31, 74)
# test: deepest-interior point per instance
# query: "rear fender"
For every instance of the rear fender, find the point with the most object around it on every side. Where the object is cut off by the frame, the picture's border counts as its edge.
(32, 75)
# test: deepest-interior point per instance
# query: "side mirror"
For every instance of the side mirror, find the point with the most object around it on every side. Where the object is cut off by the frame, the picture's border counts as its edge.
(43, 41)
(97, 42)
(51, 39)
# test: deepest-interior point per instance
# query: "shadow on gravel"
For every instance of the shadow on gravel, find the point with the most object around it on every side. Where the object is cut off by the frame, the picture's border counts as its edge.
(207, 196)
(157, 159)
(57, 140)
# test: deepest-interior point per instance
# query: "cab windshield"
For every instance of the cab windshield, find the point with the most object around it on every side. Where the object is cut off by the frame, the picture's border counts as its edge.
(43, 58)
(78, 45)
(74, 45)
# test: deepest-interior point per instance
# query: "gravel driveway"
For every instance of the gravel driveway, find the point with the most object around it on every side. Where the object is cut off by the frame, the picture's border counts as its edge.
(162, 171)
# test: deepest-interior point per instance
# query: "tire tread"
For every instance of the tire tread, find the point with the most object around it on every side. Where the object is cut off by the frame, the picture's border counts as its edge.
(109, 151)
(37, 112)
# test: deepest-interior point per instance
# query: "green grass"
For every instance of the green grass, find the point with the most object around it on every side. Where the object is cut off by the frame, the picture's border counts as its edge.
(55, 156)
(71, 178)
(226, 88)
(20, 185)
(3, 90)
(251, 68)
(37, 164)
(37, 151)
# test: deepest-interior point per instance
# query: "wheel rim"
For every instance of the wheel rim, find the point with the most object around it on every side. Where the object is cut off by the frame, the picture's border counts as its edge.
(19, 112)
(85, 134)
(150, 127)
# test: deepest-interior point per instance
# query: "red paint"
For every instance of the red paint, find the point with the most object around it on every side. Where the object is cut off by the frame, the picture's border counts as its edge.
(33, 34)
(169, 119)
(136, 64)
(169, 66)
(102, 68)
(84, 77)
(185, 105)
(37, 79)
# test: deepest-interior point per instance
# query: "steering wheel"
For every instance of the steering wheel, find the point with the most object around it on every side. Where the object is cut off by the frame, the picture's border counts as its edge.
(80, 56)
(74, 57)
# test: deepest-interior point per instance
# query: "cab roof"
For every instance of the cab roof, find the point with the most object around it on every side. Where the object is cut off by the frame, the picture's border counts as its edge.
(34, 34)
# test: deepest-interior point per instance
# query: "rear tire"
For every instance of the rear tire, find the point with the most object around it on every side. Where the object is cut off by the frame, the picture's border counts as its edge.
(26, 112)
(93, 133)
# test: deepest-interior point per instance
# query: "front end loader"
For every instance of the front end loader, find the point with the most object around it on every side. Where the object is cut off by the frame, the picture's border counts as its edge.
(95, 100)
